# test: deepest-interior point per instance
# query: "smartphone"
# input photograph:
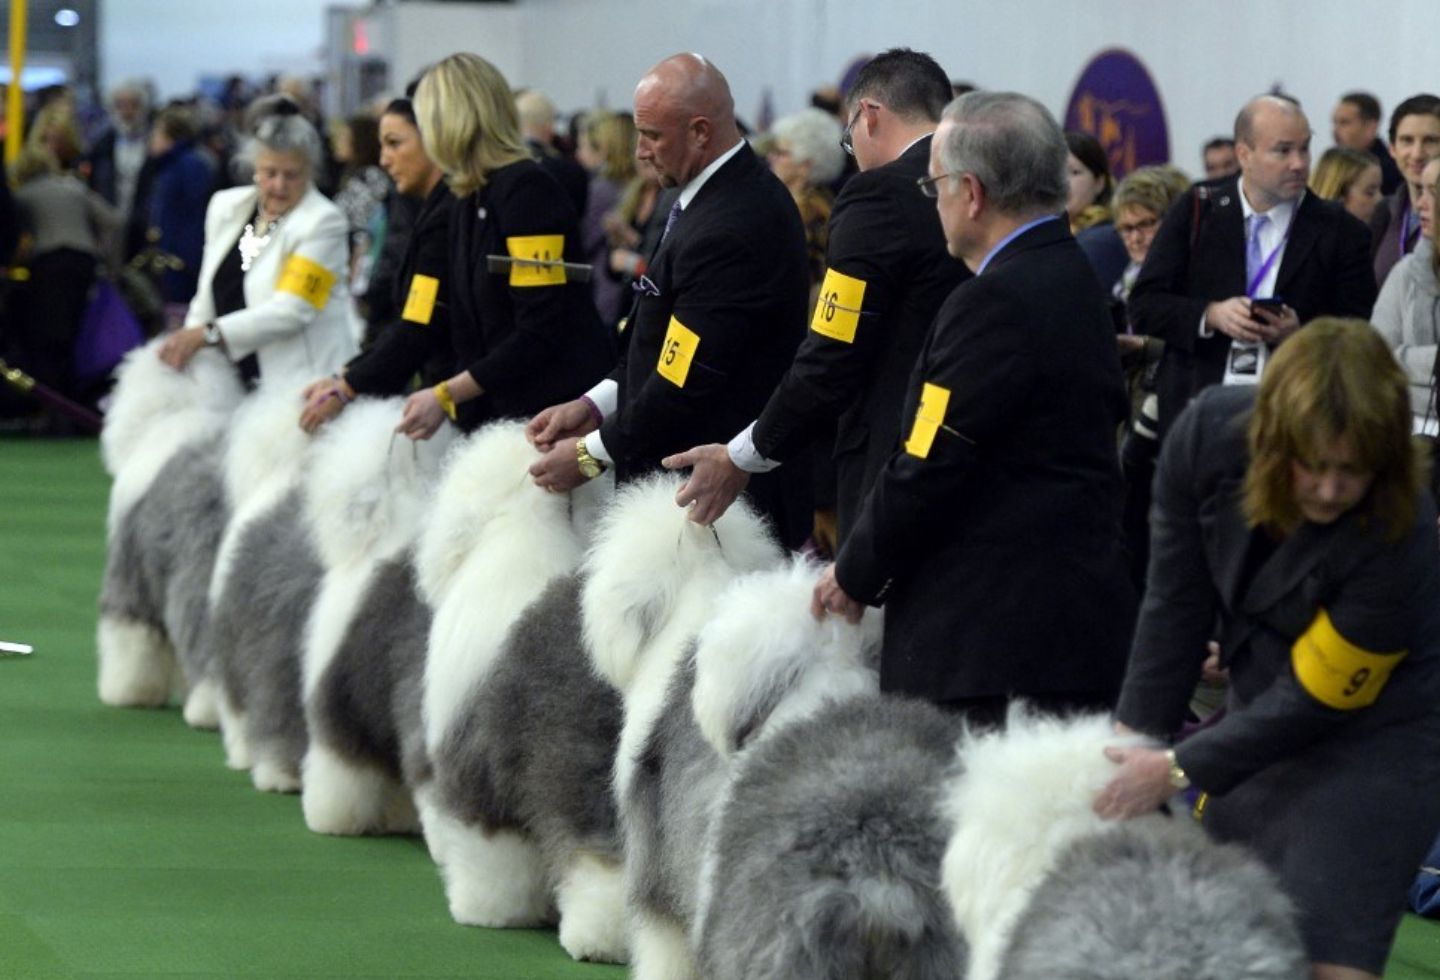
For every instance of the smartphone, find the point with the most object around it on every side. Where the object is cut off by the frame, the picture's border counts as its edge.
(1273, 305)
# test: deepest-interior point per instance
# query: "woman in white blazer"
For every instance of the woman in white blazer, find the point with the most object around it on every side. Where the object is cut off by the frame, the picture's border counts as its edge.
(272, 291)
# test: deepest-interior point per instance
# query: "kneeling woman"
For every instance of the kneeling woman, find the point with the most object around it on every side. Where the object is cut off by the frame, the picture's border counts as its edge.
(272, 290)
(528, 336)
(1296, 516)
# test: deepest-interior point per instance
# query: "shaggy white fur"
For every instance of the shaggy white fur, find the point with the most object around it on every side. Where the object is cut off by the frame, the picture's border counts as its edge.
(137, 664)
(273, 776)
(232, 734)
(338, 797)
(651, 580)
(155, 412)
(591, 898)
(658, 951)
(263, 458)
(1023, 795)
(202, 709)
(494, 541)
(763, 660)
(493, 879)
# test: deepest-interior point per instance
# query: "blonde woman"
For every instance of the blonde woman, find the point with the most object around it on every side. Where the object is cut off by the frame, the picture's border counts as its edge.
(607, 150)
(528, 333)
(1351, 177)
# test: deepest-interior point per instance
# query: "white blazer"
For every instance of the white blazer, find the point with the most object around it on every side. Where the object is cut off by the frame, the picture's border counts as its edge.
(296, 318)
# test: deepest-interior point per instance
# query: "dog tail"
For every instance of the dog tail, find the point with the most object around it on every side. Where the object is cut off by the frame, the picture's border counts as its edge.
(763, 660)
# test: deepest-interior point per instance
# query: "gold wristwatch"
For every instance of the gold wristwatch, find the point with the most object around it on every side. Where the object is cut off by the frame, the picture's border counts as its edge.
(590, 467)
(1178, 779)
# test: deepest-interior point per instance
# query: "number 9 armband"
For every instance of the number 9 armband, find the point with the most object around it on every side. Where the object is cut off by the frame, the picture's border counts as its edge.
(1336, 672)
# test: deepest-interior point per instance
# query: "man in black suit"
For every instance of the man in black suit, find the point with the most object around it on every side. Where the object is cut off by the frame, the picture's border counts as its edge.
(993, 537)
(1259, 236)
(887, 273)
(718, 315)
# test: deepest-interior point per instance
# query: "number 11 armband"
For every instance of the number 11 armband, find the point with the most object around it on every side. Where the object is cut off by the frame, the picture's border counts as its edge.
(1336, 672)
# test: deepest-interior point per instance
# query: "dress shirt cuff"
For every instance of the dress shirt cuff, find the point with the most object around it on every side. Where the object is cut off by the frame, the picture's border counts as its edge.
(744, 454)
(595, 446)
(606, 396)
(1205, 331)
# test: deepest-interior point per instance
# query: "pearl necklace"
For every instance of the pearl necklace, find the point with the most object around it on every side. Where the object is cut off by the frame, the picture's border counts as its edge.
(253, 241)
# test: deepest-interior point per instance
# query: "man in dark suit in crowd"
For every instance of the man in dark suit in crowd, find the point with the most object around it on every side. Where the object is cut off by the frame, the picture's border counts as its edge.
(887, 273)
(1414, 142)
(1355, 125)
(537, 125)
(718, 315)
(1239, 264)
(993, 537)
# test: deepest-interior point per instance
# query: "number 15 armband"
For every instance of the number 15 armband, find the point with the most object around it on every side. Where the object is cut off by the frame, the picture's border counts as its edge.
(1336, 672)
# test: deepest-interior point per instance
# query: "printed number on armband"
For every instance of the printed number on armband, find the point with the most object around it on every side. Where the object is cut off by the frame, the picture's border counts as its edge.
(837, 311)
(1335, 671)
(308, 280)
(677, 351)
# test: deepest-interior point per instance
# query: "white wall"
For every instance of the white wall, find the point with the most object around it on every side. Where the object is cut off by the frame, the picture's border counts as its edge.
(1206, 57)
(175, 42)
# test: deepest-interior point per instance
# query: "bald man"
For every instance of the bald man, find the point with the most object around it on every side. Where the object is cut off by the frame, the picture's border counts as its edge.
(1241, 263)
(717, 316)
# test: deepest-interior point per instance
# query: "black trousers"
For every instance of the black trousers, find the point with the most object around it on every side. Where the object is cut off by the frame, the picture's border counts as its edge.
(58, 293)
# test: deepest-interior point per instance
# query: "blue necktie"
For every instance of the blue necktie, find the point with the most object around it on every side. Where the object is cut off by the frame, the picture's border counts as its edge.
(1253, 259)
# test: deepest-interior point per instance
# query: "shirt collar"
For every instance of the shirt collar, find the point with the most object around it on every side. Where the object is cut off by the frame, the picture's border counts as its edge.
(691, 189)
(1280, 215)
(1011, 237)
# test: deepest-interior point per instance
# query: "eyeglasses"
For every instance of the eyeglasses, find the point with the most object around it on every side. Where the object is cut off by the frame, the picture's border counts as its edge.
(1137, 228)
(847, 138)
(930, 186)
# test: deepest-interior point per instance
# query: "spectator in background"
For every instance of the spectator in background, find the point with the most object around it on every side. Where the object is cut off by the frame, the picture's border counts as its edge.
(1414, 142)
(119, 153)
(1088, 207)
(72, 229)
(635, 226)
(361, 197)
(537, 125)
(1352, 177)
(606, 148)
(805, 154)
(182, 183)
(56, 130)
(1407, 314)
(1218, 156)
(1355, 125)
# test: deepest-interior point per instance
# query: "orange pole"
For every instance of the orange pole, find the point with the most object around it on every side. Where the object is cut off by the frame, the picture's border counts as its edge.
(15, 95)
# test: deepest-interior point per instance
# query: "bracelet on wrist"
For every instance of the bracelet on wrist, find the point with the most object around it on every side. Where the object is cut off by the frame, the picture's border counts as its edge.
(596, 415)
(446, 400)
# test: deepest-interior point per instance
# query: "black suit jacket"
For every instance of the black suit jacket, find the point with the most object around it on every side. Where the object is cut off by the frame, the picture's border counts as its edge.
(417, 340)
(886, 234)
(996, 549)
(528, 346)
(713, 333)
(1379, 594)
(1198, 257)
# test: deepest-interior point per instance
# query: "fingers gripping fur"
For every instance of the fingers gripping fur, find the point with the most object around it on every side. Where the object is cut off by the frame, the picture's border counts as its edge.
(763, 660)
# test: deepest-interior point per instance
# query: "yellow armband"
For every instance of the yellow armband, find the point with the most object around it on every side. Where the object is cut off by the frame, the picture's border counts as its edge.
(1336, 672)
(309, 280)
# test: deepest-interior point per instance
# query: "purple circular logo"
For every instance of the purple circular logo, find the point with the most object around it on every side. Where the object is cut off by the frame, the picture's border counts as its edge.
(1117, 102)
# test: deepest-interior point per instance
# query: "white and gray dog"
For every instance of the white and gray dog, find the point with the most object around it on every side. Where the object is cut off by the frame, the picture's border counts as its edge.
(366, 493)
(266, 577)
(650, 583)
(492, 545)
(824, 858)
(1044, 888)
(161, 443)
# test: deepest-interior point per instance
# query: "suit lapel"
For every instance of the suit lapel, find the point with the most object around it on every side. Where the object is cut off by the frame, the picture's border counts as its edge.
(1222, 241)
(1303, 234)
(1289, 565)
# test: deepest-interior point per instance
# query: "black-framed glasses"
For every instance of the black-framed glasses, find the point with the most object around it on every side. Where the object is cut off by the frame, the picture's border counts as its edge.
(929, 186)
(1141, 227)
(847, 138)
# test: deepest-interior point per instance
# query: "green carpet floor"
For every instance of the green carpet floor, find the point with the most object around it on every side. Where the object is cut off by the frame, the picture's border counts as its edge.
(127, 849)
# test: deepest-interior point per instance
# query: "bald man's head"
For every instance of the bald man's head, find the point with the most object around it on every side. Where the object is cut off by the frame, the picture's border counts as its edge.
(1272, 143)
(684, 118)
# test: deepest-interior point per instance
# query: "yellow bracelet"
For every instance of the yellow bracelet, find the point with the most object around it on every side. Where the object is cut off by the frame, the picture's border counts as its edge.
(446, 400)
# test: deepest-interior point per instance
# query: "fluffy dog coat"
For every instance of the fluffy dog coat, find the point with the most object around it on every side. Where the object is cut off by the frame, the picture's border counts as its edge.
(366, 490)
(650, 582)
(824, 858)
(156, 413)
(493, 543)
(1042, 887)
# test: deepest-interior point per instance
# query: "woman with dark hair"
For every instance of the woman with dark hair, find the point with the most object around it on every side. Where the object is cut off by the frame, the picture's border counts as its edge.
(361, 197)
(272, 292)
(1088, 207)
(526, 333)
(182, 180)
(1292, 518)
(417, 341)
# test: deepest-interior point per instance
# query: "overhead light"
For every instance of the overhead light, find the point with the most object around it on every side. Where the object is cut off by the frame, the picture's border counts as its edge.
(66, 17)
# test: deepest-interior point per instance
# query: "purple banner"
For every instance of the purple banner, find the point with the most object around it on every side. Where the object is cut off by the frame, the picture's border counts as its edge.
(1116, 101)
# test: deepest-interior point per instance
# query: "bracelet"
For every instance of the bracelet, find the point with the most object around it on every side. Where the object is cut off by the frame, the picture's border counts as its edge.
(1178, 779)
(595, 412)
(342, 389)
(446, 400)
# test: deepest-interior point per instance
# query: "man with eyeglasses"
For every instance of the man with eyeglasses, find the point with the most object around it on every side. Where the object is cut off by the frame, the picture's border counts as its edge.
(992, 536)
(887, 273)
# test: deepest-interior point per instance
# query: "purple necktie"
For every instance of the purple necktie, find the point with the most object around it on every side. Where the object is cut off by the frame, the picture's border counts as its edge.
(1253, 259)
(675, 210)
